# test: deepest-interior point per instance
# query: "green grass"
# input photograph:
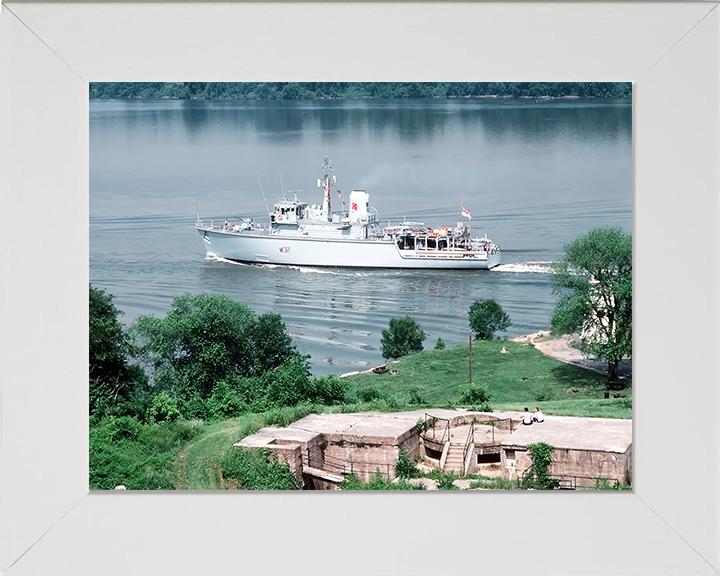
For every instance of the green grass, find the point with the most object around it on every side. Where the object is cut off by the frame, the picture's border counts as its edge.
(522, 377)
(138, 456)
(488, 483)
(198, 463)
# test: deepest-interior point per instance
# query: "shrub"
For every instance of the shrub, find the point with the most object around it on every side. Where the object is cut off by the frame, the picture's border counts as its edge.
(603, 483)
(444, 479)
(292, 384)
(440, 345)
(377, 482)
(404, 467)
(258, 470)
(402, 337)
(478, 396)
(369, 394)
(415, 397)
(224, 402)
(163, 408)
(486, 318)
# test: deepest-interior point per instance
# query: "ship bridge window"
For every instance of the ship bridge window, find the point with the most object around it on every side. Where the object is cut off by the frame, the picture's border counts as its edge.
(406, 243)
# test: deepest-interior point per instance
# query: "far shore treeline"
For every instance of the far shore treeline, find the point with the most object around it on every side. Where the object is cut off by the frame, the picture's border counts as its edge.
(355, 90)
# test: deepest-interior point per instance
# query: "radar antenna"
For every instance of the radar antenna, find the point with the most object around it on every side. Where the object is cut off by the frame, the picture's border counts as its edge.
(263, 195)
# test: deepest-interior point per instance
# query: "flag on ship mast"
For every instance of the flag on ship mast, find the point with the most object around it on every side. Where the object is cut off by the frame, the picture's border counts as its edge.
(466, 214)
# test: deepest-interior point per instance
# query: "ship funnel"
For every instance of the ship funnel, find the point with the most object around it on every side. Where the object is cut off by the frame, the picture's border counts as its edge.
(359, 200)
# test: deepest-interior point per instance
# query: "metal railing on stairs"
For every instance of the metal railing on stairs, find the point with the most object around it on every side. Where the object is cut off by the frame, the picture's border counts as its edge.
(431, 422)
(469, 441)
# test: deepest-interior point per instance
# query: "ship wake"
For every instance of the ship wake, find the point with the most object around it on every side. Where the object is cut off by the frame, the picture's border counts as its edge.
(537, 267)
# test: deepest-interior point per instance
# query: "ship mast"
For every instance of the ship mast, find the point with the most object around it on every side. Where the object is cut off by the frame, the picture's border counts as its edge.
(325, 185)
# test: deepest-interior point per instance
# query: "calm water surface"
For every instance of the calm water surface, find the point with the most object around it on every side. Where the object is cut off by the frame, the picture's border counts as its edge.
(532, 174)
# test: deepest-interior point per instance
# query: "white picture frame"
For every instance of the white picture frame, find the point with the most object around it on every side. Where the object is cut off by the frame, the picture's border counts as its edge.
(50, 523)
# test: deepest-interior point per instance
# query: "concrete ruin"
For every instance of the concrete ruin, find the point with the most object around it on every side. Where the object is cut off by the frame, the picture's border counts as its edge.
(584, 449)
(321, 449)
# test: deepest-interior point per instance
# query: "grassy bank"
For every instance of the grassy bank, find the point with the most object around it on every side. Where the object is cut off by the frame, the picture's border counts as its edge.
(517, 378)
(188, 455)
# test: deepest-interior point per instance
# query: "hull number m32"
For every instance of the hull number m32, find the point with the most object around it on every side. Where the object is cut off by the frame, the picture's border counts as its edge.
(285, 249)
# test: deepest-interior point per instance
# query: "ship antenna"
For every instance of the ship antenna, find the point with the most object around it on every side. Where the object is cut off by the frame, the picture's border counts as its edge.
(263, 194)
(282, 187)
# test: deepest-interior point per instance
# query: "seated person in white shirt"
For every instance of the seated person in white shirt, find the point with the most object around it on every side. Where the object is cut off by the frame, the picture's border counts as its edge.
(527, 418)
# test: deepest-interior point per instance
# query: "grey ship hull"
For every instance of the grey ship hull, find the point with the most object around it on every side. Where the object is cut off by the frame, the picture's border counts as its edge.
(265, 248)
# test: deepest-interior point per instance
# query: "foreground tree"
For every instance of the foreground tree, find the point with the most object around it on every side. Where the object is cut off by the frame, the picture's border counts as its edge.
(486, 318)
(111, 378)
(402, 337)
(594, 284)
(209, 338)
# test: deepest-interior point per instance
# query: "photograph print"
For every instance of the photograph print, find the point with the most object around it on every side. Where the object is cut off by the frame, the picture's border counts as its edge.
(360, 286)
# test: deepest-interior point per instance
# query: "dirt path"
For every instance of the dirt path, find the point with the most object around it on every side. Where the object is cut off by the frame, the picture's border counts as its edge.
(560, 349)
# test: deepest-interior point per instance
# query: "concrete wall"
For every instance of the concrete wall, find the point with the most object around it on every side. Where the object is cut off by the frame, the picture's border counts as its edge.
(364, 455)
(589, 463)
(514, 460)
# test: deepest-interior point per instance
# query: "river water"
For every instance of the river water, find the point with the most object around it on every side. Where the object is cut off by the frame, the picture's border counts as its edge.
(533, 175)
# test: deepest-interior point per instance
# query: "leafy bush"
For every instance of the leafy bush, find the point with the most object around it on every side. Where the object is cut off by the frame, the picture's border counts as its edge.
(444, 479)
(486, 318)
(224, 402)
(404, 467)
(369, 394)
(440, 345)
(610, 484)
(478, 396)
(403, 337)
(415, 397)
(292, 383)
(378, 482)
(258, 470)
(163, 408)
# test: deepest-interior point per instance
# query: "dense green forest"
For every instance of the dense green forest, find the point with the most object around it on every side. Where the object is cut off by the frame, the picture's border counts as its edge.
(356, 90)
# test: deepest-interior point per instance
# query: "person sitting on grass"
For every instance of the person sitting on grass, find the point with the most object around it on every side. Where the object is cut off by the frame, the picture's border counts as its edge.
(538, 416)
(527, 418)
